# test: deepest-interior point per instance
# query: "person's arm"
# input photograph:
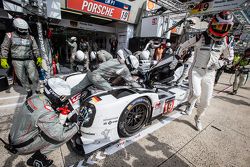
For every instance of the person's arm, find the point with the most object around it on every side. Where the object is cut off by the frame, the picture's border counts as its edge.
(126, 75)
(50, 125)
(189, 43)
(70, 44)
(5, 47)
(35, 49)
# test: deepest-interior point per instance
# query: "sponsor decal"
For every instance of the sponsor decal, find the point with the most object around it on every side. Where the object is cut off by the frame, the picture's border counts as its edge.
(154, 21)
(75, 98)
(95, 99)
(31, 104)
(110, 122)
(157, 105)
(47, 107)
(106, 8)
(105, 133)
(87, 133)
(169, 106)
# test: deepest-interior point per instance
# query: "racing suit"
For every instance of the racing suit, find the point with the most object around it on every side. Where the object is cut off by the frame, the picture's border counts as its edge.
(38, 124)
(23, 48)
(187, 66)
(202, 71)
(241, 72)
(101, 76)
(103, 55)
(73, 49)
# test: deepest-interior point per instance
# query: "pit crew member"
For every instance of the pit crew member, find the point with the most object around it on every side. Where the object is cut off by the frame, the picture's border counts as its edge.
(24, 51)
(36, 127)
(73, 48)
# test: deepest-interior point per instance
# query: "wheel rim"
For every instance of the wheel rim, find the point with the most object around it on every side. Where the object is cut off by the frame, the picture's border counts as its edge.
(135, 118)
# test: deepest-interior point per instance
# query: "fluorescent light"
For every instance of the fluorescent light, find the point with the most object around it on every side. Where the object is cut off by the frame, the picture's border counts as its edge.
(103, 18)
(69, 11)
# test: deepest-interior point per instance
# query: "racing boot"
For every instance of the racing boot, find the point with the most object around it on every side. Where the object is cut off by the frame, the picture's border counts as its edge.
(234, 92)
(198, 123)
(29, 94)
(188, 110)
(39, 160)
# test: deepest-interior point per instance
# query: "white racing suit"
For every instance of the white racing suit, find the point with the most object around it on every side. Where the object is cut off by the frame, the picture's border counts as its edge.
(202, 72)
(100, 77)
(38, 124)
(24, 50)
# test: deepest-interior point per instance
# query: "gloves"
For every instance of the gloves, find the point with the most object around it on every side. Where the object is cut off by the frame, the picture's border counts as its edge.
(4, 63)
(76, 118)
(39, 61)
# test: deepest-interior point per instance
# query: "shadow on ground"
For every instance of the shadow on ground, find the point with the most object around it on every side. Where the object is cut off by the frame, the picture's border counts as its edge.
(154, 153)
(233, 101)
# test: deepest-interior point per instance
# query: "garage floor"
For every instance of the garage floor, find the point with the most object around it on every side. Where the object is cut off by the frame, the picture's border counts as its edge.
(224, 141)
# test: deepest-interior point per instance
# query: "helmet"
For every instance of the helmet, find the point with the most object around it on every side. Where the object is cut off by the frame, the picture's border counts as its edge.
(144, 55)
(132, 62)
(73, 39)
(220, 25)
(168, 44)
(80, 56)
(93, 55)
(56, 89)
(122, 54)
(21, 25)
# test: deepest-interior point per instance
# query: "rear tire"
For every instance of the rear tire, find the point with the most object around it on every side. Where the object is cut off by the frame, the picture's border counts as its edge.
(133, 117)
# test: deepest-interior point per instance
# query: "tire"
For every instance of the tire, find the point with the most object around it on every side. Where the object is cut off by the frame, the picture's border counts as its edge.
(75, 145)
(133, 117)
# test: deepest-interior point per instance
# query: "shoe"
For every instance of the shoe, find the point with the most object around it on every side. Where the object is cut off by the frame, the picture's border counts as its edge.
(29, 94)
(188, 110)
(198, 123)
(39, 160)
(234, 92)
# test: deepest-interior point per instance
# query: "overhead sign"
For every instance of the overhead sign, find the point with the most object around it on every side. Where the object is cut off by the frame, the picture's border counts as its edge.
(107, 8)
(208, 6)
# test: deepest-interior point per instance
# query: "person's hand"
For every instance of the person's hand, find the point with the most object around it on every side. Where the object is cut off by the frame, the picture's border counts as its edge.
(80, 120)
(4, 63)
(39, 61)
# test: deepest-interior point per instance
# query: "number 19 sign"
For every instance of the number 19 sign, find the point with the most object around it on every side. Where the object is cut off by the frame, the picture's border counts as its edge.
(107, 8)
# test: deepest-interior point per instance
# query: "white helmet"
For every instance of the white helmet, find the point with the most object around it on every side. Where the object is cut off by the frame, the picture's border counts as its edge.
(132, 62)
(92, 55)
(80, 56)
(168, 44)
(123, 54)
(21, 25)
(56, 89)
(73, 39)
(144, 55)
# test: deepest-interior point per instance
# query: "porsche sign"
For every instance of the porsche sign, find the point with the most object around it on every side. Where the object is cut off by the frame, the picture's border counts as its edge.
(106, 8)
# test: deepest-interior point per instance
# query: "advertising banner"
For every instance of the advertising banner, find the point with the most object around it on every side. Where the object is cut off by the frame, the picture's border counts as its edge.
(210, 6)
(106, 8)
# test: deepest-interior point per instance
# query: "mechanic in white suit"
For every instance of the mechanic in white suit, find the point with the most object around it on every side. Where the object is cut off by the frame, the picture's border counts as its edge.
(208, 47)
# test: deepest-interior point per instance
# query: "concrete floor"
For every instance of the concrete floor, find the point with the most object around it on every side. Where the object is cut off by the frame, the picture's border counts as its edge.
(224, 141)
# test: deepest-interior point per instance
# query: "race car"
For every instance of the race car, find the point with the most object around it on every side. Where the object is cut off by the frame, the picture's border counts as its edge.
(122, 112)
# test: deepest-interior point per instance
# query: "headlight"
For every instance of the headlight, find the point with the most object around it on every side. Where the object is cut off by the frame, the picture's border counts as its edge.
(88, 113)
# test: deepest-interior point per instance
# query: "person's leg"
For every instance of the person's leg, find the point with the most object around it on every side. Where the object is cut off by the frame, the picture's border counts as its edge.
(218, 74)
(33, 74)
(195, 90)
(81, 86)
(236, 82)
(242, 79)
(21, 75)
(207, 85)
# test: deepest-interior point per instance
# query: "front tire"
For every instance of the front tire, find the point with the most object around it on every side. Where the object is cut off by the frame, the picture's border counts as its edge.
(133, 117)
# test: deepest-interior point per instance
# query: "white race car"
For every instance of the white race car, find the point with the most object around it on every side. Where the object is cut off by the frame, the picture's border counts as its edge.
(122, 112)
